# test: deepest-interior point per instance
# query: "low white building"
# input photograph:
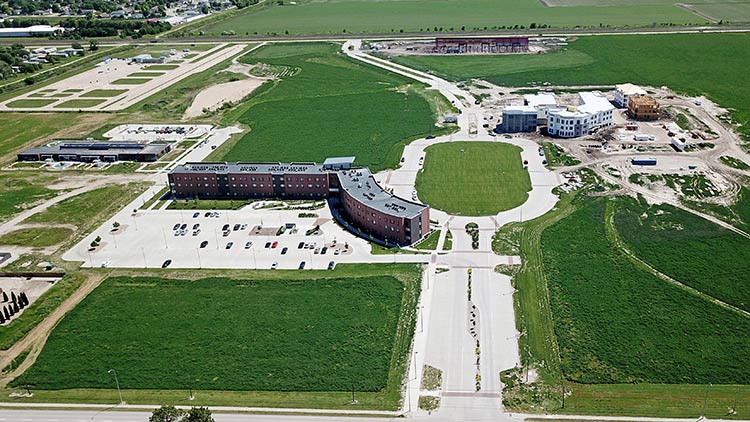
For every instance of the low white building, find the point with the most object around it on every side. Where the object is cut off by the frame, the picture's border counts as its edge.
(593, 111)
(31, 31)
(540, 99)
(623, 93)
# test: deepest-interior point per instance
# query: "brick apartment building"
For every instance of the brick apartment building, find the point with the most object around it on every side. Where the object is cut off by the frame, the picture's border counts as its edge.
(355, 197)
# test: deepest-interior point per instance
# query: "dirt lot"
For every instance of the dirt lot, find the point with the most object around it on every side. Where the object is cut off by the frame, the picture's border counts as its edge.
(217, 95)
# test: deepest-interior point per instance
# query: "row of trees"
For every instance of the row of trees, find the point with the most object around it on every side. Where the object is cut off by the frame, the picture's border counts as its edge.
(172, 414)
(240, 4)
(89, 27)
(77, 6)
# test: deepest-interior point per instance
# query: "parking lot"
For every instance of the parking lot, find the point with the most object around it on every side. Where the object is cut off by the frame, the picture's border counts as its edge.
(149, 133)
(248, 238)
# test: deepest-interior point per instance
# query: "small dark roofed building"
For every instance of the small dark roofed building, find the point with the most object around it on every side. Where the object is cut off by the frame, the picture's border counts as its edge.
(146, 59)
(338, 163)
(93, 151)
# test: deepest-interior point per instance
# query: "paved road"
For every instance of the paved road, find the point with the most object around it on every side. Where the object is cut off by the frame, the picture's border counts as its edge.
(141, 416)
(551, 32)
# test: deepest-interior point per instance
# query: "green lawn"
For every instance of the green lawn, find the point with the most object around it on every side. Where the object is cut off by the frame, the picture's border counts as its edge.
(80, 103)
(352, 17)
(717, 63)
(145, 74)
(430, 242)
(615, 322)
(331, 106)
(162, 67)
(29, 103)
(38, 237)
(473, 178)
(104, 93)
(313, 331)
(130, 81)
(649, 400)
(557, 158)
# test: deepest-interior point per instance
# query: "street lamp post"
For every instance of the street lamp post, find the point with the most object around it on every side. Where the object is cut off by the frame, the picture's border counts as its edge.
(421, 319)
(117, 382)
(415, 365)
(705, 402)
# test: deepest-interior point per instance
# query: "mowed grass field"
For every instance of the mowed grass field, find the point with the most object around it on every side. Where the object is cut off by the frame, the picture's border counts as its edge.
(37, 237)
(103, 93)
(20, 191)
(19, 129)
(30, 103)
(616, 322)
(89, 208)
(350, 16)
(317, 331)
(711, 64)
(80, 103)
(473, 178)
(330, 107)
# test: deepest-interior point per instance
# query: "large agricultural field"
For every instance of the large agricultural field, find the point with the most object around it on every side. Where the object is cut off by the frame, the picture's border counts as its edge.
(709, 258)
(315, 333)
(734, 11)
(616, 322)
(473, 178)
(326, 105)
(352, 17)
(711, 64)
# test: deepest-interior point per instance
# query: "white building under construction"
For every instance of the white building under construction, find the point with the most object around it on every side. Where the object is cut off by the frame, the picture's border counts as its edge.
(593, 111)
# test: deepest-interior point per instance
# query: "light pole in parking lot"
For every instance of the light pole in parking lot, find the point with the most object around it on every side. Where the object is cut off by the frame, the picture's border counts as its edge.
(198, 251)
(143, 252)
(421, 319)
(165, 238)
(117, 382)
